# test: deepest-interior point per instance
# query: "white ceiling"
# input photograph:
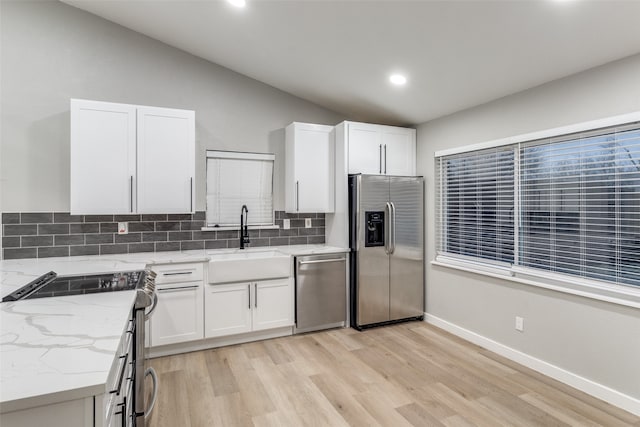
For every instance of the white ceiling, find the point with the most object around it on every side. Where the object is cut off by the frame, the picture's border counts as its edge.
(338, 54)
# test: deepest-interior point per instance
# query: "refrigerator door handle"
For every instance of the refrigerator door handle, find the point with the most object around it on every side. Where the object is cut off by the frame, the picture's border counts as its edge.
(387, 228)
(393, 228)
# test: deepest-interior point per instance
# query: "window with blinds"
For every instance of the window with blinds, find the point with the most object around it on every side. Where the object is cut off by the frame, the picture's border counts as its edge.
(568, 204)
(236, 179)
(580, 205)
(476, 198)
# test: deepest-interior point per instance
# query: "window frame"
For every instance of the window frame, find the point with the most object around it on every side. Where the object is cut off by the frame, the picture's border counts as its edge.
(241, 156)
(620, 293)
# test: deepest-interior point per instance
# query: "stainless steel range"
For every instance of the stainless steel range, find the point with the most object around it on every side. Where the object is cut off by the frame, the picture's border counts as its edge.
(52, 285)
(125, 398)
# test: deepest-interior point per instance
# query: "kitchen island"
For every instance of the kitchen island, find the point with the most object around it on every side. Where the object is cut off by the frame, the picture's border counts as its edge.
(61, 348)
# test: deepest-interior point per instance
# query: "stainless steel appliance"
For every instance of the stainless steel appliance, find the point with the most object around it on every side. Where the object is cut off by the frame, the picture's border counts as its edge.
(52, 285)
(386, 239)
(125, 398)
(321, 292)
(145, 297)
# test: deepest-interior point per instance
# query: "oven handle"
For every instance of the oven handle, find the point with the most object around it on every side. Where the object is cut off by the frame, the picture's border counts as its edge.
(152, 372)
(147, 314)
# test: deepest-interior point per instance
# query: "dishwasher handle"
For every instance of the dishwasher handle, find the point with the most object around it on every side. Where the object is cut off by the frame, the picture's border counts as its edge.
(320, 261)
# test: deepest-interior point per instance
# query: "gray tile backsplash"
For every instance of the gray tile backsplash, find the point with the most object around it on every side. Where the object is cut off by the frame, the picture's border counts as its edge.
(53, 234)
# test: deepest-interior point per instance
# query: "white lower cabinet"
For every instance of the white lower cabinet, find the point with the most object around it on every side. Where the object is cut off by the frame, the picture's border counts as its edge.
(179, 314)
(244, 307)
(74, 413)
(273, 304)
(228, 309)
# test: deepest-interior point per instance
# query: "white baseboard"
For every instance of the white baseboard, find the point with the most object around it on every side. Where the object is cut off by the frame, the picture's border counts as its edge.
(187, 347)
(616, 398)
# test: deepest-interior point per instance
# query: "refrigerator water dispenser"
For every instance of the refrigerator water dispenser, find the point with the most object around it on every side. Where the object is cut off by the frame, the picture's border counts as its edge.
(374, 235)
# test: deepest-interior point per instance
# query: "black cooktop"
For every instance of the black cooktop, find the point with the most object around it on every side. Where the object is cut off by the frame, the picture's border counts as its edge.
(52, 285)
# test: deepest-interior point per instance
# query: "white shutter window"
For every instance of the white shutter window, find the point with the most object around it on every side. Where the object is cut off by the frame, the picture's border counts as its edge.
(236, 179)
(580, 204)
(475, 204)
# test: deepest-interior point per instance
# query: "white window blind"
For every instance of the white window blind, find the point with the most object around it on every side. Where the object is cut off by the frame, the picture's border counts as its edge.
(236, 179)
(580, 205)
(476, 204)
(568, 204)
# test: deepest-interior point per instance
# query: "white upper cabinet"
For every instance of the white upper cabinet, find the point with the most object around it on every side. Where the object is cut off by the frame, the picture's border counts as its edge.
(131, 159)
(310, 166)
(399, 149)
(365, 148)
(381, 150)
(103, 157)
(166, 160)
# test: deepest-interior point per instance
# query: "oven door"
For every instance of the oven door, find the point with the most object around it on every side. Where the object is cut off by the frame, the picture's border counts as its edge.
(144, 400)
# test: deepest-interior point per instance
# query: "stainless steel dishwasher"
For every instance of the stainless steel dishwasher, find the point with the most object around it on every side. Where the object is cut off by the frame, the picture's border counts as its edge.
(321, 292)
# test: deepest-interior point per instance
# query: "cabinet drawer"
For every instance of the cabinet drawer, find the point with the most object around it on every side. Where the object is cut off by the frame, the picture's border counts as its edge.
(177, 273)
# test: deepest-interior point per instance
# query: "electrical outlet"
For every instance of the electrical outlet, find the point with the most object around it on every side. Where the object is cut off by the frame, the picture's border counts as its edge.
(286, 224)
(519, 324)
(123, 228)
(307, 223)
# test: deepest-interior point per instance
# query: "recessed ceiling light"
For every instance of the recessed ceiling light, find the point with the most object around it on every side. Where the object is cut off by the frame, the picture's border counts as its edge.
(238, 3)
(397, 79)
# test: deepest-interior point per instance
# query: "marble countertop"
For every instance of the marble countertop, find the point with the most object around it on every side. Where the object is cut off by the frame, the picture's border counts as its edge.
(62, 348)
(17, 273)
(58, 349)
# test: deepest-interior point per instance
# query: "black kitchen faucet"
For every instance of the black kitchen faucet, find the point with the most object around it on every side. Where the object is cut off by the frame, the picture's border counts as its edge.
(244, 227)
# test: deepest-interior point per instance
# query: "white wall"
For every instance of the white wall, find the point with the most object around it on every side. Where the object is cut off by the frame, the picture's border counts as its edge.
(52, 52)
(591, 339)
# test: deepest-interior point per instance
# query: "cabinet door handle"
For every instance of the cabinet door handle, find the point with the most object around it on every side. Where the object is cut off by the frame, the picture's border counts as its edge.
(385, 159)
(191, 193)
(380, 158)
(297, 195)
(121, 369)
(255, 305)
(178, 289)
(131, 193)
(178, 273)
(249, 292)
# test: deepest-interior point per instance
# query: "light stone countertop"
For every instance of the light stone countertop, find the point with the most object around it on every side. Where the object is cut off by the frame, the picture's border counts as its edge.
(58, 349)
(17, 273)
(62, 348)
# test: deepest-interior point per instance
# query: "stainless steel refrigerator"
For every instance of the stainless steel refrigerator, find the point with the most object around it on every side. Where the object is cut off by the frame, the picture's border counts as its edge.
(386, 239)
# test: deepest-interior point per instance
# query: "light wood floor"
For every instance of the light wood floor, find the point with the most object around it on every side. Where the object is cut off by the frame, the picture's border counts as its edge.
(401, 375)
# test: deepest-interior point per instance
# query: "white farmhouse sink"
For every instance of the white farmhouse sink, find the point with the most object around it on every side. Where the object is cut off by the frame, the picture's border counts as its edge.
(245, 265)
